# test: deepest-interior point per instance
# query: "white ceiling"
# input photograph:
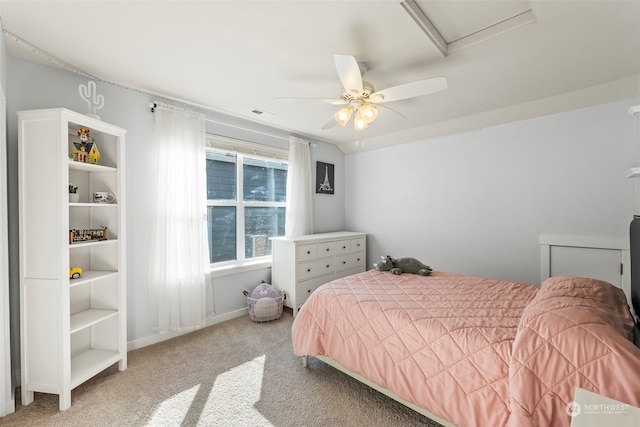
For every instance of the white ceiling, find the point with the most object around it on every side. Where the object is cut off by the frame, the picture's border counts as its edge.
(238, 56)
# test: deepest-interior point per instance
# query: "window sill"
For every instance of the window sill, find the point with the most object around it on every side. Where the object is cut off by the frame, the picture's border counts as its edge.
(229, 270)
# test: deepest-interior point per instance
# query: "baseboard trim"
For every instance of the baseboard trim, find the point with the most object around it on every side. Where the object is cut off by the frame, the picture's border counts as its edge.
(155, 339)
(9, 408)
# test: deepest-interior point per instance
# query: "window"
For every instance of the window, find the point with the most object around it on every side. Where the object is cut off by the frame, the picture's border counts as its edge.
(246, 197)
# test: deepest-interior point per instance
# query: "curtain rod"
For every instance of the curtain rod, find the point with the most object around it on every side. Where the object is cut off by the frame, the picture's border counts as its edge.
(153, 106)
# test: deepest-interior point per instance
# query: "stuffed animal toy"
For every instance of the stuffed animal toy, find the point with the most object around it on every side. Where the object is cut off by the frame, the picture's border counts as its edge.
(403, 265)
(265, 290)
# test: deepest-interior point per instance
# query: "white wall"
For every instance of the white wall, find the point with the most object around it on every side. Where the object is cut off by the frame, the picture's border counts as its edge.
(7, 401)
(33, 86)
(475, 203)
(328, 209)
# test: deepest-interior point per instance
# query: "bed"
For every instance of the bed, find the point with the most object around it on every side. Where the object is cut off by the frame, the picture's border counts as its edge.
(471, 351)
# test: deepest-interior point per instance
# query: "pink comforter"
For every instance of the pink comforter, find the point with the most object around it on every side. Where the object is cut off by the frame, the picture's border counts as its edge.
(442, 342)
(474, 351)
(576, 332)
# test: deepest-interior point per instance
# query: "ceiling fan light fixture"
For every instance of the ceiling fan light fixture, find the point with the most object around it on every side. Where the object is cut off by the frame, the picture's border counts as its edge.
(369, 112)
(360, 122)
(343, 116)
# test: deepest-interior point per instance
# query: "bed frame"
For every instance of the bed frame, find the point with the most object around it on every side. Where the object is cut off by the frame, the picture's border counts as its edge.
(329, 361)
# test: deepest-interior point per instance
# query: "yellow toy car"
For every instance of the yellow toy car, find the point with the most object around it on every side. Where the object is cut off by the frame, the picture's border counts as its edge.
(75, 272)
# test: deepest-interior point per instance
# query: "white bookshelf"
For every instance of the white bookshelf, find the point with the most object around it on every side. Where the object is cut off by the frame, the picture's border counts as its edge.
(71, 329)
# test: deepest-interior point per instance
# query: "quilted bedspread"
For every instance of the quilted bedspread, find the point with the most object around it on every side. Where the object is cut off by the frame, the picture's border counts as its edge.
(474, 351)
(443, 342)
(576, 332)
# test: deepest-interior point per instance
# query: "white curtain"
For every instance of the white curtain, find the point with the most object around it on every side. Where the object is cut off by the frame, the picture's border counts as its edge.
(299, 213)
(179, 289)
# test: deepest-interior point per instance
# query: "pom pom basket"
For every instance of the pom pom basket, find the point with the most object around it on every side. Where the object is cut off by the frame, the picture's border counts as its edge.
(265, 309)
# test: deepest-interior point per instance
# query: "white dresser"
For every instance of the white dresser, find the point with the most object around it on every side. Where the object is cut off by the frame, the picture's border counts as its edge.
(301, 264)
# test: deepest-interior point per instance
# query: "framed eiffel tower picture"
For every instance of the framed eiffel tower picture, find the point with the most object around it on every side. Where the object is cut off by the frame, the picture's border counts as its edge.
(324, 178)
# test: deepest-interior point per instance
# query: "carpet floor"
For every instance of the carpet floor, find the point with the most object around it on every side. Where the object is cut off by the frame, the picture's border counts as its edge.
(235, 373)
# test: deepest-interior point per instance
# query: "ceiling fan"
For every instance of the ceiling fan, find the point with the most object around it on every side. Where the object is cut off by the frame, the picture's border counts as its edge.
(360, 99)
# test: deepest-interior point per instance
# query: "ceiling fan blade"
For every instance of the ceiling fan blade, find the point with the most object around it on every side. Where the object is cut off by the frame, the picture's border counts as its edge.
(331, 123)
(392, 110)
(321, 100)
(410, 90)
(349, 73)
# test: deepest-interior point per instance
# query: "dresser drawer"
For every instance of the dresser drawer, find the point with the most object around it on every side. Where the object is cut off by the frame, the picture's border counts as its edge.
(306, 287)
(343, 247)
(348, 262)
(321, 267)
(307, 252)
(358, 244)
(326, 249)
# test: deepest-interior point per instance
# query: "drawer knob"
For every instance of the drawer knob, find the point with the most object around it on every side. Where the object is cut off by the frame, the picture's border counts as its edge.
(344, 247)
(358, 259)
(344, 262)
(308, 252)
(308, 270)
(308, 290)
(327, 249)
(328, 266)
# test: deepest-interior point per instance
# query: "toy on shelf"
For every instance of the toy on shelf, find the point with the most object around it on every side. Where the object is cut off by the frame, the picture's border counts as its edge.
(75, 272)
(87, 235)
(74, 197)
(85, 151)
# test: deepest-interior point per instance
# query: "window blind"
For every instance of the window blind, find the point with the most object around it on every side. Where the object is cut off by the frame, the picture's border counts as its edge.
(231, 145)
